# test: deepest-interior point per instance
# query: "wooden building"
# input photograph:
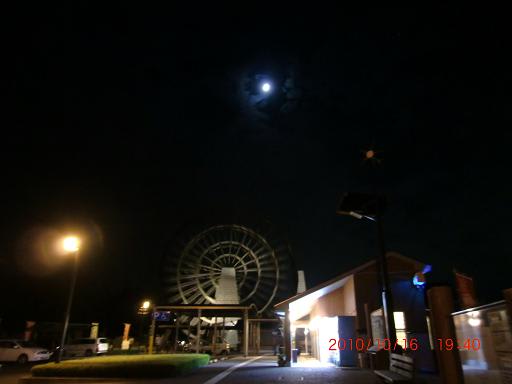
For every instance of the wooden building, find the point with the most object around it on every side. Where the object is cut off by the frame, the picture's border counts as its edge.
(339, 319)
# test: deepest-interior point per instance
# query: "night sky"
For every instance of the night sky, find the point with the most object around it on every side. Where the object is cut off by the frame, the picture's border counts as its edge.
(135, 123)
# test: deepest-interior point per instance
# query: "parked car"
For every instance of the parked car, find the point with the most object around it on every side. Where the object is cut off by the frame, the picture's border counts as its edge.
(222, 347)
(86, 347)
(22, 351)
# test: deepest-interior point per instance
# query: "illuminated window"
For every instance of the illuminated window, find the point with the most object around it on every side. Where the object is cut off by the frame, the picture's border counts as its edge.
(400, 328)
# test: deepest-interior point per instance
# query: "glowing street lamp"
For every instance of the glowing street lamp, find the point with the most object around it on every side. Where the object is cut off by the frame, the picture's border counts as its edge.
(71, 246)
(369, 206)
(144, 308)
(143, 311)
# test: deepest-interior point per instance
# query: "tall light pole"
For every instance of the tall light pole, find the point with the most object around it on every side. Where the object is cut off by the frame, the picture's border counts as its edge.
(145, 306)
(369, 207)
(71, 245)
(143, 311)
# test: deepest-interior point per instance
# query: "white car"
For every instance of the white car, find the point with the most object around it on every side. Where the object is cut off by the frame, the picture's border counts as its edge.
(22, 351)
(222, 347)
(86, 347)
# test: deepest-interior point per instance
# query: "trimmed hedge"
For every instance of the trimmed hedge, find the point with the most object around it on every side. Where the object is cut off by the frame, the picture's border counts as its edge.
(124, 366)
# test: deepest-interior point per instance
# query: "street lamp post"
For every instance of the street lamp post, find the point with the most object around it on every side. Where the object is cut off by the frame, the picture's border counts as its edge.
(387, 297)
(71, 245)
(143, 311)
(370, 206)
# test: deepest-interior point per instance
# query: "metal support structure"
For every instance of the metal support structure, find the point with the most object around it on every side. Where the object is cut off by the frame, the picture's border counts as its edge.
(251, 336)
(287, 338)
(258, 338)
(223, 327)
(214, 337)
(246, 333)
(211, 310)
(198, 332)
(189, 333)
(229, 251)
(152, 332)
(68, 308)
(177, 331)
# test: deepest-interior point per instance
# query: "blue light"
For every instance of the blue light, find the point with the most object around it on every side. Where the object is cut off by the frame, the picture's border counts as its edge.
(419, 280)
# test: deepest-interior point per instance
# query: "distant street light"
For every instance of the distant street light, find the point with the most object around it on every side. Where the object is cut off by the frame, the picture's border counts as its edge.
(143, 311)
(71, 245)
(144, 308)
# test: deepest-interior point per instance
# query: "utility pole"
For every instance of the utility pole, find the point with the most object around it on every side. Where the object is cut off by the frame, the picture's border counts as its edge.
(370, 207)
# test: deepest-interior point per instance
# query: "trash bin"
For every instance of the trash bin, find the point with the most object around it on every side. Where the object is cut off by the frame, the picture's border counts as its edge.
(378, 358)
(295, 353)
(363, 359)
(281, 357)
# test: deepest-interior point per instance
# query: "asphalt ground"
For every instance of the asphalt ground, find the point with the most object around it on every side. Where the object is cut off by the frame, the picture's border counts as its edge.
(261, 370)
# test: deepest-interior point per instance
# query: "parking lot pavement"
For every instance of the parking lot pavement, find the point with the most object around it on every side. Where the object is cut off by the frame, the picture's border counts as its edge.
(265, 370)
(260, 370)
(10, 373)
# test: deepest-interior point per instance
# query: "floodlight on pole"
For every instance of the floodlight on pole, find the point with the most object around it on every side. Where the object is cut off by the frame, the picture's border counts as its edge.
(356, 215)
(71, 245)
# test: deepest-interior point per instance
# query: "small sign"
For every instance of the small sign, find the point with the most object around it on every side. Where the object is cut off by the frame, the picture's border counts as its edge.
(162, 316)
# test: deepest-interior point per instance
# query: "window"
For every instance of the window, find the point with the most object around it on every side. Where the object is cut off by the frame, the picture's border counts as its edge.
(400, 328)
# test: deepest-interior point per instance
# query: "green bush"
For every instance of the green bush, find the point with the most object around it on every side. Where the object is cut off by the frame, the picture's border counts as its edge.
(124, 366)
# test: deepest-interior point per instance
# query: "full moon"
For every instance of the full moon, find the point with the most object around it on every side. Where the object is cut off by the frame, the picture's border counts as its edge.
(266, 87)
